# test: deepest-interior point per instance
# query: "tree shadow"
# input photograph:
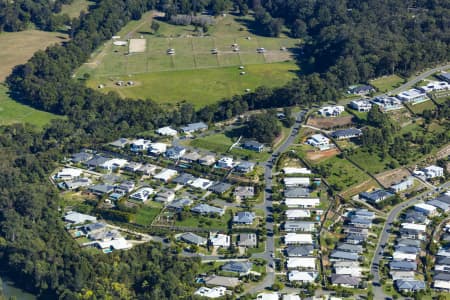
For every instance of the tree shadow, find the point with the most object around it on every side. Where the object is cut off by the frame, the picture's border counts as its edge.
(237, 132)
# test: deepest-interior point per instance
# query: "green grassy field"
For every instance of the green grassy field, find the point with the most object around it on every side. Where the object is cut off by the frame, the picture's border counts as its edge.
(342, 173)
(372, 163)
(73, 10)
(147, 214)
(15, 112)
(420, 107)
(193, 73)
(387, 83)
(218, 143)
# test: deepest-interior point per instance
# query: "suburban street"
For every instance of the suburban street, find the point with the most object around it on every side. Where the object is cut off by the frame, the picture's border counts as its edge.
(384, 237)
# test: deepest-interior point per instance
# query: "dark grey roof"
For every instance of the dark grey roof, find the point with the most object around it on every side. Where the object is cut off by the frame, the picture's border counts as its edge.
(350, 248)
(220, 187)
(119, 143)
(237, 266)
(184, 179)
(179, 203)
(407, 249)
(364, 213)
(444, 198)
(356, 237)
(376, 196)
(192, 238)
(94, 226)
(101, 188)
(194, 127)
(408, 242)
(439, 204)
(299, 250)
(252, 145)
(344, 255)
(245, 165)
(361, 89)
(413, 216)
(403, 265)
(350, 132)
(445, 76)
(442, 276)
(414, 285)
(298, 192)
(442, 260)
(97, 161)
(363, 221)
(247, 239)
(81, 157)
(245, 217)
(207, 209)
(345, 280)
(298, 225)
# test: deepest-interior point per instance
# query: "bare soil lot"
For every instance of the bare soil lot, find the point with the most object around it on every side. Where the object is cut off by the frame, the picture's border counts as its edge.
(392, 176)
(328, 123)
(319, 155)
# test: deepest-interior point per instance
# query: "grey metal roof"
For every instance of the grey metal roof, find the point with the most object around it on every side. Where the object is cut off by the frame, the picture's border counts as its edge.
(81, 157)
(245, 165)
(184, 179)
(408, 242)
(344, 255)
(364, 213)
(414, 285)
(346, 132)
(439, 204)
(442, 276)
(194, 127)
(207, 209)
(247, 239)
(299, 250)
(298, 225)
(101, 188)
(345, 280)
(298, 192)
(220, 187)
(179, 203)
(407, 249)
(237, 266)
(350, 248)
(442, 260)
(97, 161)
(377, 195)
(358, 220)
(192, 238)
(403, 265)
(245, 217)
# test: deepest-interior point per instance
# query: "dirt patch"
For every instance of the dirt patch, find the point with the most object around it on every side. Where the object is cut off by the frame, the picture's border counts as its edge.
(393, 176)
(328, 123)
(137, 45)
(362, 187)
(319, 155)
(276, 56)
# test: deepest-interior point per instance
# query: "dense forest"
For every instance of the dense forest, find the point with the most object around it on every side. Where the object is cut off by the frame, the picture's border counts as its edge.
(345, 42)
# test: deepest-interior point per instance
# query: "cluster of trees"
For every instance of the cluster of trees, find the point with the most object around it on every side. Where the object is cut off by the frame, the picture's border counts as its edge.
(266, 24)
(263, 127)
(17, 15)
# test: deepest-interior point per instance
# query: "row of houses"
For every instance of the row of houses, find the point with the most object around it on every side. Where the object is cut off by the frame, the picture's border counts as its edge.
(347, 256)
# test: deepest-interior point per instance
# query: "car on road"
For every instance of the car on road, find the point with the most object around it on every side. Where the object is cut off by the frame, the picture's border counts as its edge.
(272, 254)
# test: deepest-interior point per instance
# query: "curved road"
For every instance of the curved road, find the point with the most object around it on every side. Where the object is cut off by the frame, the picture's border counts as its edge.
(384, 237)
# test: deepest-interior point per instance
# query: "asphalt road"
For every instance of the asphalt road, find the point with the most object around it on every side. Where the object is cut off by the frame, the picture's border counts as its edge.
(384, 237)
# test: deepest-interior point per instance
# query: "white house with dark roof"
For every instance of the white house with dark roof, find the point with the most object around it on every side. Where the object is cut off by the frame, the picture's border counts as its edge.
(349, 133)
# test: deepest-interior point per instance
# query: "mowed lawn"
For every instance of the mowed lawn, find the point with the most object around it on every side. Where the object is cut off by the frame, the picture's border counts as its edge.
(74, 9)
(387, 83)
(193, 73)
(218, 143)
(200, 87)
(147, 213)
(17, 47)
(15, 112)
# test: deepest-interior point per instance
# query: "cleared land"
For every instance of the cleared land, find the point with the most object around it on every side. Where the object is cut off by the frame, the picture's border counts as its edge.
(15, 112)
(17, 47)
(193, 73)
(387, 83)
(74, 9)
(393, 176)
(330, 122)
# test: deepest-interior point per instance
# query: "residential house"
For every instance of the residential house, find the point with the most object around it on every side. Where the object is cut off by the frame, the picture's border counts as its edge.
(101, 189)
(166, 175)
(445, 252)
(244, 218)
(302, 276)
(386, 103)
(319, 141)
(215, 292)
(215, 280)
(294, 214)
(343, 134)
(206, 209)
(297, 192)
(76, 218)
(345, 281)
(191, 157)
(81, 157)
(400, 255)
(240, 267)
(220, 240)
(225, 163)
(350, 268)
(331, 111)
(68, 173)
(408, 243)
(140, 145)
(116, 244)
(166, 131)
(435, 86)
(220, 188)
(175, 153)
(439, 204)
(376, 196)
(157, 149)
(292, 171)
(303, 262)
(194, 127)
(207, 160)
(245, 166)
(132, 166)
(148, 169)
(184, 179)
(75, 184)
(403, 265)
(179, 204)
(444, 76)
(268, 296)
(442, 263)
(244, 192)
(433, 172)
(296, 226)
(248, 240)
(302, 202)
(350, 248)
(360, 89)
(405, 275)
(291, 297)
(96, 161)
(192, 238)
(426, 209)
(403, 185)
(113, 164)
(360, 222)
(299, 250)
(360, 105)
(413, 96)
(441, 281)
(143, 194)
(343, 255)
(297, 238)
(364, 214)
(201, 183)
(165, 196)
(414, 216)
(296, 181)
(253, 145)
(120, 143)
(355, 238)
(409, 285)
